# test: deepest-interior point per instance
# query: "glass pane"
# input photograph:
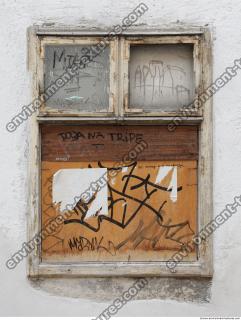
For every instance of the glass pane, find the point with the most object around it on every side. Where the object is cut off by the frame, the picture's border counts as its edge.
(161, 77)
(87, 91)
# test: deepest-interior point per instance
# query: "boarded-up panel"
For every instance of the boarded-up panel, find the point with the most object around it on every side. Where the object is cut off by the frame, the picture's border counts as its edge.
(143, 209)
(96, 143)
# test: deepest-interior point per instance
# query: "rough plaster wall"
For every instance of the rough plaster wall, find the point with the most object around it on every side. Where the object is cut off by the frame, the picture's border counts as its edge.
(183, 297)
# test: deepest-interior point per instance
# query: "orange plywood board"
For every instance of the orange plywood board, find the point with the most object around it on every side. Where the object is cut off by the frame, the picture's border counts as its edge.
(151, 211)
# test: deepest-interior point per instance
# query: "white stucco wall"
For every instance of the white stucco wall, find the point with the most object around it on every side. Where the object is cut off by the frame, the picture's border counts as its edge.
(17, 295)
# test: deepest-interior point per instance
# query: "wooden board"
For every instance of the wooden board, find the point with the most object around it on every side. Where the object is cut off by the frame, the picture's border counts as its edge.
(112, 143)
(144, 218)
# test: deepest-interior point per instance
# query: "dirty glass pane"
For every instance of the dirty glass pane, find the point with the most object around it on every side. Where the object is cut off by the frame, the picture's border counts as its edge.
(161, 77)
(88, 90)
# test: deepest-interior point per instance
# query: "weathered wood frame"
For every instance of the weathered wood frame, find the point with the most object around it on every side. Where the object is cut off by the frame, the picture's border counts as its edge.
(151, 40)
(204, 265)
(113, 45)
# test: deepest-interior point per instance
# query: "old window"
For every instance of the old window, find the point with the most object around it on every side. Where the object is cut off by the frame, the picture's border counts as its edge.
(121, 171)
(163, 74)
(92, 90)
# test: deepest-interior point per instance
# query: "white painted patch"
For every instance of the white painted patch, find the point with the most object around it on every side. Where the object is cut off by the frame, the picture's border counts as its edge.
(124, 169)
(113, 181)
(71, 183)
(162, 173)
(124, 204)
(173, 185)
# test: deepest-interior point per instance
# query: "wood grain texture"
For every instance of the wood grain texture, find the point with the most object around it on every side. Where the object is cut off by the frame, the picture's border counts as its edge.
(112, 143)
(134, 228)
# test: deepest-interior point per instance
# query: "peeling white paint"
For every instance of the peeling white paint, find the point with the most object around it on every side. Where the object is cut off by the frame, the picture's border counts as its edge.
(162, 173)
(173, 185)
(71, 183)
(112, 181)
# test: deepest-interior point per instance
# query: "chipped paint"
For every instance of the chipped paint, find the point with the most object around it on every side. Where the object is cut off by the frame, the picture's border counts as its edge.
(71, 183)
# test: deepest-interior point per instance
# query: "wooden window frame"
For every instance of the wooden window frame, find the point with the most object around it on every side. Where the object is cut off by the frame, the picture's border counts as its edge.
(112, 108)
(150, 40)
(201, 37)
